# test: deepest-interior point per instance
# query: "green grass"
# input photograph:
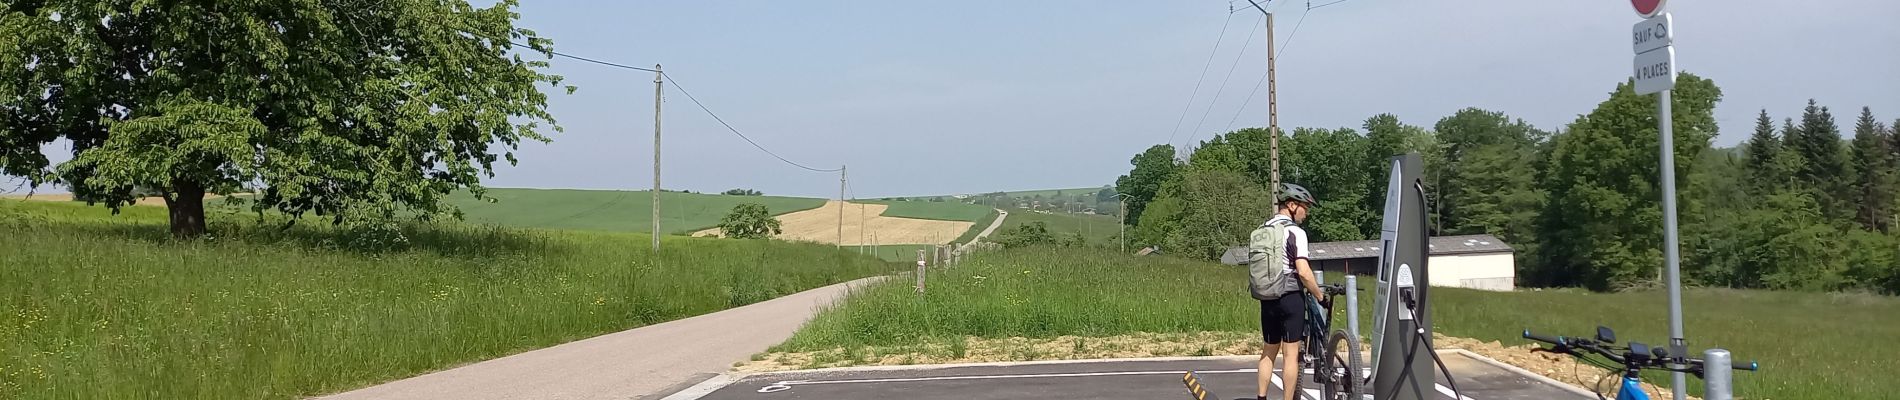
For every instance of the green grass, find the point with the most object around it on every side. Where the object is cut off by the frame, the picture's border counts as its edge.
(100, 307)
(902, 253)
(946, 211)
(609, 210)
(977, 229)
(1098, 230)
(1810, 345)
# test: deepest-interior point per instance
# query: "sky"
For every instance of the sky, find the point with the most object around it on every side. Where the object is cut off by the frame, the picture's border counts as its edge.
(949, 97)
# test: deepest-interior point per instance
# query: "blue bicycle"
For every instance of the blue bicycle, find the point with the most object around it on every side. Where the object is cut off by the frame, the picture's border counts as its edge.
(1634, 358)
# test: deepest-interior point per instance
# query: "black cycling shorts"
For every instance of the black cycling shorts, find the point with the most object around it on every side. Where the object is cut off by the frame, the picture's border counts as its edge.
(1283, 320)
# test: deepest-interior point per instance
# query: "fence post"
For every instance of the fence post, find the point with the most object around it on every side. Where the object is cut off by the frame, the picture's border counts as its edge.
(920, 271)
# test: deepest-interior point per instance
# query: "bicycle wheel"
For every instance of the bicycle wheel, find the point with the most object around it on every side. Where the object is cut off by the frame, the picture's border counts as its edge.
(1345, 370)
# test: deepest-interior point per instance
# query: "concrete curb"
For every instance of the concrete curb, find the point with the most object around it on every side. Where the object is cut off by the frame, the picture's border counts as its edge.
(1520, 371)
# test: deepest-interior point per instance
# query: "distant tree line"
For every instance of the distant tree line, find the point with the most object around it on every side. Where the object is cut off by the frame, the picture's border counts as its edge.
(743, 192)
(1796, 207)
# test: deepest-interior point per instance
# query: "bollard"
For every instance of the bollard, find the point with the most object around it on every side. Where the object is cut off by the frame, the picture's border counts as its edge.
(1716, 374)
(920, 271)
(1352, 304)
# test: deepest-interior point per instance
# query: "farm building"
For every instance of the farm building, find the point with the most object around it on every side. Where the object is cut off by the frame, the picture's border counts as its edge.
(1468, 261)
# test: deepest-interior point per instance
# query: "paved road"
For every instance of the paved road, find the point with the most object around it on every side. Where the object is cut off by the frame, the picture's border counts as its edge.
(637, 363)
(1000, 216)
(1225, 377)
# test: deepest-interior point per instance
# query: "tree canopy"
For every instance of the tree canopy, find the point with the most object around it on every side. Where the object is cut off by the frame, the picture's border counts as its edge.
(348, 110)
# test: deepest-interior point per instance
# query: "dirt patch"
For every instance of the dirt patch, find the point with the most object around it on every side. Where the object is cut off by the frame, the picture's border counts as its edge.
(977, 350)
(1561, 368)
(862, 224)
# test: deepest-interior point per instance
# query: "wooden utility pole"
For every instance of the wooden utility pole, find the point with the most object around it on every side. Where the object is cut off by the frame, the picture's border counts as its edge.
(658, 77)
(1273, 112)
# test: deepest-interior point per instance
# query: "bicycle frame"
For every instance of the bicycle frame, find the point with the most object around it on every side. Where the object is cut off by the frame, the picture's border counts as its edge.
(1632, 390)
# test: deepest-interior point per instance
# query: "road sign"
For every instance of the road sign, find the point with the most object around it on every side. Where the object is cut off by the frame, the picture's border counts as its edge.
(1648, 8)
(1653, 33)
(1656, 70)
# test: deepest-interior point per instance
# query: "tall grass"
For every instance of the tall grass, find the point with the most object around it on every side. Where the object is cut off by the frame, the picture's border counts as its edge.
(1811, 346)
(99, 307)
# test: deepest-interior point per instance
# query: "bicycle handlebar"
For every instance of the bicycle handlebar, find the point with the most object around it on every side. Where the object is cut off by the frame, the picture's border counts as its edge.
(1570, 345)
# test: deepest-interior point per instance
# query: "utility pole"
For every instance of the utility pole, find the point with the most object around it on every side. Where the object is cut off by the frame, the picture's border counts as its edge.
(861, 225)
(1273, 109)
(1273, 104)
(841, 175)
(658, 77)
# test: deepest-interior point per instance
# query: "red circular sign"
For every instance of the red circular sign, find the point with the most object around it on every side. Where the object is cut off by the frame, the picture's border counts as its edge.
(1648, 8)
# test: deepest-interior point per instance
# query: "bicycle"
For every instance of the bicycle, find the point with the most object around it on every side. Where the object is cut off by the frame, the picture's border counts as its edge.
(1634, 358)
(1334, 359)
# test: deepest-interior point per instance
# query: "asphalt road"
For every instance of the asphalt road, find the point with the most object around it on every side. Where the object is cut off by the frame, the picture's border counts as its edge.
(1223, 377)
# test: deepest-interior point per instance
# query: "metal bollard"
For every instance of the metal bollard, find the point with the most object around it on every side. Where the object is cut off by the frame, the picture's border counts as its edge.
(1716, 375)
(1352, 304)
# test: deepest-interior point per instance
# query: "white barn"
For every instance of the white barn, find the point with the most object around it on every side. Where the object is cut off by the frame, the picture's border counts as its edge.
(1468, 261)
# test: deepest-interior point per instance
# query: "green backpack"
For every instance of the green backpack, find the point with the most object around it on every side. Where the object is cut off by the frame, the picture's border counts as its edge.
(1266, 260)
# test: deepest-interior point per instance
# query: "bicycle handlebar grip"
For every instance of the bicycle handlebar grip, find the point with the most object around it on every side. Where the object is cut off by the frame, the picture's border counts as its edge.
(1541, 338)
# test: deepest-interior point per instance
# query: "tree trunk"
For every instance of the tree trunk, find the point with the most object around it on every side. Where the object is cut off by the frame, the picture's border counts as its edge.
(187, 206)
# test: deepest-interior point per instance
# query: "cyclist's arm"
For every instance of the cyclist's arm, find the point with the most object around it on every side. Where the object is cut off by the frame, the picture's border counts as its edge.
(1305, 270)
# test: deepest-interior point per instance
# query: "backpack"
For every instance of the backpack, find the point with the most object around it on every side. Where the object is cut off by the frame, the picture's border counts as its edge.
(1266, 260)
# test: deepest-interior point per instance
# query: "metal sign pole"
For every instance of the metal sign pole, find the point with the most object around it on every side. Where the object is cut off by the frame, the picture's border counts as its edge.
(1677, 345)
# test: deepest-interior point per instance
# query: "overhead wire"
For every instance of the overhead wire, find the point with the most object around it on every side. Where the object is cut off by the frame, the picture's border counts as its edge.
(689, 96)
(1276, 54)
(1196, 93)
(735, 131)
(1223, 84)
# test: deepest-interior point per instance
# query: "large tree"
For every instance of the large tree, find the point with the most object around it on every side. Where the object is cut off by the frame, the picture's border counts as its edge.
(1877, 172)
(1602, 224)
(1824, 174)
(1153, 168)
(1500, 142)
(343, 109)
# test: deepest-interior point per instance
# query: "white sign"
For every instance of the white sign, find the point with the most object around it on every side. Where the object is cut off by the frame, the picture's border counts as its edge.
(1656, 70)
(1653, 33)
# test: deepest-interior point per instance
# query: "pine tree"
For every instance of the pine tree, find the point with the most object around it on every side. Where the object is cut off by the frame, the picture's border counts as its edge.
(1874, 166)
(1763, 147)
(1825, 174)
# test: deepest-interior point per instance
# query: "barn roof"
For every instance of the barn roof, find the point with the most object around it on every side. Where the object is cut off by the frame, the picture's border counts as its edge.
(1442, 245)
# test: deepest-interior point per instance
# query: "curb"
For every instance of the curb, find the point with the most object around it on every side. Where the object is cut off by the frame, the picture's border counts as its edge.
(1520, 371)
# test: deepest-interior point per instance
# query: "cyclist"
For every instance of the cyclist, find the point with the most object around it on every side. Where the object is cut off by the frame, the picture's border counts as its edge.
(1277, 255)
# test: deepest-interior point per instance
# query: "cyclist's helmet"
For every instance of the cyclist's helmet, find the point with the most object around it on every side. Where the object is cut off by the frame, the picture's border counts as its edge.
(1292, 192)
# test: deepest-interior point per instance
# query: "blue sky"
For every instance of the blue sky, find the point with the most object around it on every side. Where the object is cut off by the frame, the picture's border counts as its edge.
(968, 96)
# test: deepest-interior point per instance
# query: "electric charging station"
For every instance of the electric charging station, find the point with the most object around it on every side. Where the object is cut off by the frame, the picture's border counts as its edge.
(1402, 353)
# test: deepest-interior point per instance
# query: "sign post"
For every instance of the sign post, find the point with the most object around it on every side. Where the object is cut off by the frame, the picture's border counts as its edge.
(1653, 40)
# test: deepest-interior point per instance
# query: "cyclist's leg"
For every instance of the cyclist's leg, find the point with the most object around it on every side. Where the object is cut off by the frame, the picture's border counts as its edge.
(1294, 307)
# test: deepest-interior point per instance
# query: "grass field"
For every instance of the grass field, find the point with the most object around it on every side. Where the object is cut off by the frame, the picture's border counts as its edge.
(903, 253)
(945, 211)
(617, 211)
(100, 307)
(1810, 345)
(1098, 230)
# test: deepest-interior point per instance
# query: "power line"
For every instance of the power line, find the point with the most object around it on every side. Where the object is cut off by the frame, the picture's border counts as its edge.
(1276, 54)
(1323, 5)
(1223, 84)
(1289, 36)
(1197, 81)
(735, 131)
(587, 59)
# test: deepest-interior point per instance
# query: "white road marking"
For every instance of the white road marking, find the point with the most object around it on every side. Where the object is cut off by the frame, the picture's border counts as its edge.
(1448, 393)
(784, 385)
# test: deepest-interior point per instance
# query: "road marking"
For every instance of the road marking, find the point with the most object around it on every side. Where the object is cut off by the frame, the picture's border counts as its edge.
(785, 385)
(1448, 393)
